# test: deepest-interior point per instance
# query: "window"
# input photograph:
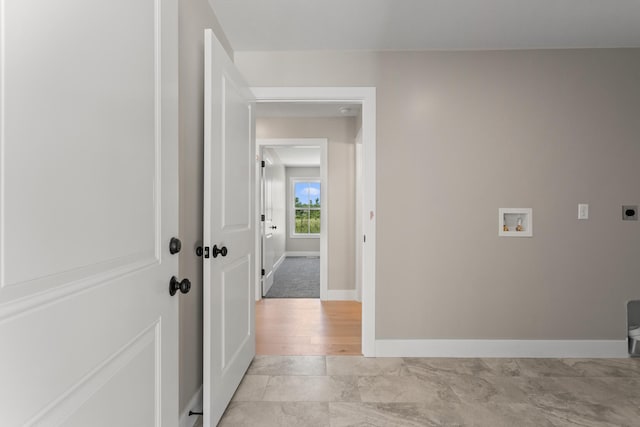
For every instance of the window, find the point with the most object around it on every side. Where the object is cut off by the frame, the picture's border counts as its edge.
(306, 208)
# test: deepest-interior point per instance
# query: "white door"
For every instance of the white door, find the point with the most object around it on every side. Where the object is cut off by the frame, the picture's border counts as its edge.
(228, 225)
(268, 225)
(88, 174)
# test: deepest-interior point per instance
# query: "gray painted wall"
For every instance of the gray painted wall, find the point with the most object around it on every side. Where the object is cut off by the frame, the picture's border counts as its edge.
(297, 244)
(341, 133)
(461, 134)
(195, 16)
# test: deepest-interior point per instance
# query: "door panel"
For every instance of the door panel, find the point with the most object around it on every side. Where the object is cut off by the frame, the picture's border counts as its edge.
(268, 257)
(133, 404)
(88, 173)
(268, 250)
(236, 284)
(237, 182)
(229, 338)
(128, 381)
(63, 102)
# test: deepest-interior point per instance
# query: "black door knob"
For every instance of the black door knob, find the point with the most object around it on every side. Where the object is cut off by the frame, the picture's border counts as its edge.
(273, 227)
(183, 286)
(175, 245)
(222, 251)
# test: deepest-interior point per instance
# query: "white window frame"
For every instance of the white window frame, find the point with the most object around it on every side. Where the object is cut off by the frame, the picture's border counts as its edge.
(292, 207)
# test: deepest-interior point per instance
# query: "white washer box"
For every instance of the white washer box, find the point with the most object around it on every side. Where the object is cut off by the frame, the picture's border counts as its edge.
(515, 222)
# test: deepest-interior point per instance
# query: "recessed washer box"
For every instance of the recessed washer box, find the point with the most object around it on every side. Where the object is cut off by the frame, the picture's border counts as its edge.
(515, 222)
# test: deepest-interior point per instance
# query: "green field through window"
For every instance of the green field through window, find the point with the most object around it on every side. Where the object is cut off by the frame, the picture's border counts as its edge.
(307, 202)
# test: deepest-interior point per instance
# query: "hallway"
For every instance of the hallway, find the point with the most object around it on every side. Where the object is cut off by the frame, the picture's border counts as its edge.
(297, 277)
(308, 327)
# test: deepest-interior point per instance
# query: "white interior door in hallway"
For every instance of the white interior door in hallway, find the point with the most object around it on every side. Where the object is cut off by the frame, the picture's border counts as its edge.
(228, 225)
(88, 191)
(269, 231)
(272, 197)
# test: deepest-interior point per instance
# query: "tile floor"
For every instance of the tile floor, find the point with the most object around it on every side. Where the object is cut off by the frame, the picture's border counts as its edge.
(341, 391)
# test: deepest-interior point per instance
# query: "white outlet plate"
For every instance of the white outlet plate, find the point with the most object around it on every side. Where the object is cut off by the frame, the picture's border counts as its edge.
(583, 211)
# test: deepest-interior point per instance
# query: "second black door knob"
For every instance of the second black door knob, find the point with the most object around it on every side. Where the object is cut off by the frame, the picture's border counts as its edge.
(219, 251)
(183, 286)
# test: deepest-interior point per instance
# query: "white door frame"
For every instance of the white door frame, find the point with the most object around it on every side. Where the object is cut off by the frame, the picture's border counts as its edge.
(367, 97)
(324, 188)
(358, 213)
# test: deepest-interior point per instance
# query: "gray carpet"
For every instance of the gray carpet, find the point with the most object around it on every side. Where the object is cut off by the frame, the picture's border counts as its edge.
(297, 277)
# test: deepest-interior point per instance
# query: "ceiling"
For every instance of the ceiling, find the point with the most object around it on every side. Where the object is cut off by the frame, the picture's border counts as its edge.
(308, 109)
(298, 156)
(428, 24)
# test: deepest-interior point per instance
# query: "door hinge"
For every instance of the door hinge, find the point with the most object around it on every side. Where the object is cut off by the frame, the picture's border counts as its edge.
(263, 272)
(365, 238)
(263, 164)
(262, 217)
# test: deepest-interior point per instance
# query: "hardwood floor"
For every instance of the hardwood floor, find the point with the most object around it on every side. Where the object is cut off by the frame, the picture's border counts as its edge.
(308, 327)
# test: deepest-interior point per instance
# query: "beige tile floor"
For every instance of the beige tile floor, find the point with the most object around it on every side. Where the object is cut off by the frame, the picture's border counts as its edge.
(342, 391)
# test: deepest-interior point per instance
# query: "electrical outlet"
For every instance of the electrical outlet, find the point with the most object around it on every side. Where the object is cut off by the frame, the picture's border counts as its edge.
(630, 213)
(583, 211)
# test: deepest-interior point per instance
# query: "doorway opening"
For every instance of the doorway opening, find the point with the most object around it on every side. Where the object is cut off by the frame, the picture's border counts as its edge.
(331, 132)
(293, 230)
(366, 97)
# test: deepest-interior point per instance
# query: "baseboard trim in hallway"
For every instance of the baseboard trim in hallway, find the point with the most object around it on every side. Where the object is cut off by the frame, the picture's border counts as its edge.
(341, 295)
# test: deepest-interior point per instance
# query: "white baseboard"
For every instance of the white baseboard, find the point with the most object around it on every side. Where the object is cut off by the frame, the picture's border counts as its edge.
(502, 348)
(279, 262)
(341, 295)
(195, 404)
(267, 283)
(302, 253)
